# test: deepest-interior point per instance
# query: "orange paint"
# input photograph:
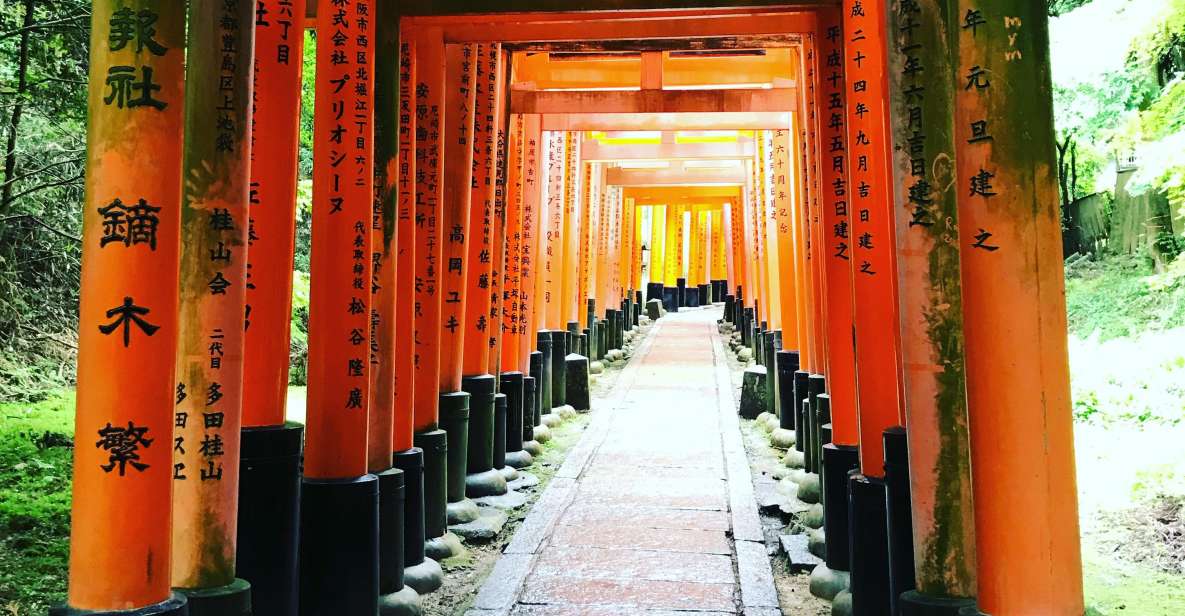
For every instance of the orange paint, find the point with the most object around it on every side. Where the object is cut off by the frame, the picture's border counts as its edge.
(429, 93)
(719, 231)
(212, 286)
(121, 512)
(570, 236)
(586, 276)
(784, 220)
(496, 63)
(480, 259)
(404, 346)
(874, 268)
(552, 250)
(835, 252)
(384, 243)
(513, 313)
(532, 233)
(801, 250)
(625, 258)
(340, 262)
(459, 101)
(279, 45)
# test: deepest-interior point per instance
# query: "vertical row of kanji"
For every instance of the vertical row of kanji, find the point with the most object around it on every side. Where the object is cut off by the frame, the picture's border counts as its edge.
(916, 239)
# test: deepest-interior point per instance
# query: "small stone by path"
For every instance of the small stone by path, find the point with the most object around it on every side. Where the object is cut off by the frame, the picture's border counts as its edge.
(652, 513)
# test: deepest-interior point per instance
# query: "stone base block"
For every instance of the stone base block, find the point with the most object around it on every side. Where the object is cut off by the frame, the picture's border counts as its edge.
(486, 483)
(519, 459)
(753, 392)
(566, 412)
(596, 367)
(794, 459)
(914, 603)
(549, 420)
(462, 511)
(525, 480)
(404, 602)
(763, 421)
(509, 473)
(808, 489)
(485, 528)
(509, 500)
(841, 605)
(781, 438)
(816, 542)
(534, 447)
(826, 583)
(445, 546)
(425, 577)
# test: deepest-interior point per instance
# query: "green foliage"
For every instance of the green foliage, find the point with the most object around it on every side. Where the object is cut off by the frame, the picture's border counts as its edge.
(1060, 7)
(1166, 115)
(36, 461)
(308, 72)
(299, 354)
(1123, 297)
(1160, 52)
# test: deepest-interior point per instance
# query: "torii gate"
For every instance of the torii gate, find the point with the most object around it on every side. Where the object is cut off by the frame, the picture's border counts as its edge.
(915, 241)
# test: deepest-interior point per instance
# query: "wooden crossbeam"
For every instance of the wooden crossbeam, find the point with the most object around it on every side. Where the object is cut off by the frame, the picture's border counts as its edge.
(666, 121)
(594, 151)
(675, 177)
(746, 100)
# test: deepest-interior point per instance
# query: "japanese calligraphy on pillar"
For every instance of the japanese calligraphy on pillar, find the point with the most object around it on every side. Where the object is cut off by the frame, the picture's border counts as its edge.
(872, 237)
(553, 249)
(212, 287)
(480, 258)
(429, 96)
(405, 241)
(836, 249)
(512, 285)
(586, 276)
(530, 258)
(279, 48)
(128, 305)
(786, 220)
(340, 341)
(461, 84)
(571, 229)
(497, 110)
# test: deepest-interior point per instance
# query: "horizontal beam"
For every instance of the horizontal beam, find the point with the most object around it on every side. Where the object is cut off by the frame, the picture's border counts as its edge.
(540, 71)
(654, 101)
(666, 121)
(661, 195)
(592, 150)
(674, 177)
(462, 7)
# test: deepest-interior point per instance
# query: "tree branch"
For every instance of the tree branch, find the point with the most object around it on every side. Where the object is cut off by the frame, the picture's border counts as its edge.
(44, 25)
(45, 168)
(41, 187)
(43, 224)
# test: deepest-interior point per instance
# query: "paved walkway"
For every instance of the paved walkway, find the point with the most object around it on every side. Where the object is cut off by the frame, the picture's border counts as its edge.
(653, 510)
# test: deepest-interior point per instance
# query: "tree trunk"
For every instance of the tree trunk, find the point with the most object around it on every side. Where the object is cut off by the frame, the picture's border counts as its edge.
(14, 120)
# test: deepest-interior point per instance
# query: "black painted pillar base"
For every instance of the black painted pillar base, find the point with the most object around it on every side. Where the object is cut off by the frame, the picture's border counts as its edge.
(773, 344)
(233, 599)
(559, 369)
(544, 378)
(175, 605)
(901, 562)
(729, 306)
(815, 385)
(419, 572)
(339, 546)
(670, 299)
(838, 462)
(705, 295)
(747, 327)
(654, 291)
(512, 385)
(454, 420)
(868, 521)
(508, 472)
(434, 444)
(681, 291)
(787, 365)
(800, 395)
(391, 512)
(913, 603)
(531, 447)
(269, 516)
(482, 477)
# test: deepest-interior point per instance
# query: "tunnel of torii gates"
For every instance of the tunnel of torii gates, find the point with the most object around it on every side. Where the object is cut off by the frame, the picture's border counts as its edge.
(499, 190)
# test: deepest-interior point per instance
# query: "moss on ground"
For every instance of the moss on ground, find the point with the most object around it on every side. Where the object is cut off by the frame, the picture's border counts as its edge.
(36, 462)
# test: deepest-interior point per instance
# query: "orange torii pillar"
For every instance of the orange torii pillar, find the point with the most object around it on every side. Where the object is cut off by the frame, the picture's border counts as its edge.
(123, 468)
(876, 325)
(1026, 518)
(587, 293)
(530, 260)
(428, 77)
(787, 380)
(420, 573)
(339, 509)
(212, 287)
(397, 597)
(612, 259)
(481, 478)
(625, 263)
(718, 261)
(675, 284)
(600, 249)
(941, 564)
(457, 177)
(548, 281)
(513, 379)
(656, 276)
(270, 450)
(748, 251)
(841, 454)
(637, 240)
(697, 272)
(566, 256)
(761, 249)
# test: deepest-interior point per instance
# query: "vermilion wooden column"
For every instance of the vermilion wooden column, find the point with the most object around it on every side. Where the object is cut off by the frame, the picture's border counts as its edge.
(430, 236)
(531, 259)
(339, 508)
(783, 221)
(497, 61)
(587, 260)
(512, 294)
(720, 231)
(636, 240)
(658, 219)
(571, 230)
(480, 478)
(212, 283)
(835, 253)
(122, 504)
(922, 47)
(1022, 443)
(552, 250)
(457, 177)
(877, 327)
(671, 243)
(269, 485)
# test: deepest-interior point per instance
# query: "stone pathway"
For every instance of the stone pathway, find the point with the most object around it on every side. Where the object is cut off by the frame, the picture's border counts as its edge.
(653, 510)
